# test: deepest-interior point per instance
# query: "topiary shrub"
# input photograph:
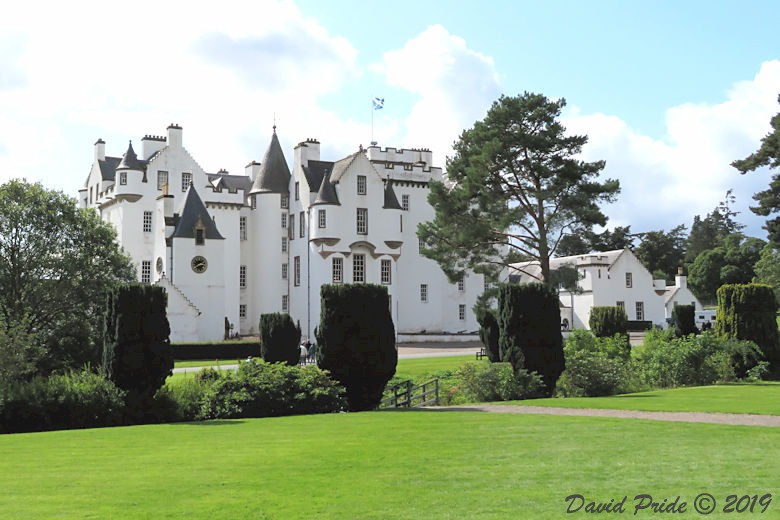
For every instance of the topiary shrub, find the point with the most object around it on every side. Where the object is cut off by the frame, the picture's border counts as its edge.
(684, 318)
(137, 353)
(747, 312)
(280, 338)
(530, 331)
(488, 334)
(356, 341)
(608, 321)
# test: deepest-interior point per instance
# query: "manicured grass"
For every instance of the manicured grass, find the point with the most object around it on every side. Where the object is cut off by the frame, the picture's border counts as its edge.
(753, 398)
(415, 368)
(379, 465)
(205, 363)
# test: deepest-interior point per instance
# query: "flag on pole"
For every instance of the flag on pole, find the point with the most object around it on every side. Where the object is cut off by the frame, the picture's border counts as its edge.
(378, 103)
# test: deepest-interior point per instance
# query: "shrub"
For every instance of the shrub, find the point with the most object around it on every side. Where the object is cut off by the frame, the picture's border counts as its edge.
(747, 312)
(488, 334)
(280, 338)
(72, 400)
(608, 321)
(684, 318)
(595, 366)
(356, 341)
(261, 389)
(530, 330)
(137, 354)
(694, 360)
(20, 353)
(482, 382)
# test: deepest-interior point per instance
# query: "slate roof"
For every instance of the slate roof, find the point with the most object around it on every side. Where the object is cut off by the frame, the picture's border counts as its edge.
(130, 160)
(230, 182)
(193, 212)
(274, 174)
(327, 192)
(391, 201)
(340, 166)
(108, 168)
(315, 171)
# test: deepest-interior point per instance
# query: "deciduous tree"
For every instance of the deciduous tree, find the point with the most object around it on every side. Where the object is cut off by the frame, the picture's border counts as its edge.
(514, 184)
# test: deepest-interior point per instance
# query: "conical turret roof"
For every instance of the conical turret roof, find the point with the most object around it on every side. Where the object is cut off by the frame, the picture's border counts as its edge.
(391, 201)
(274, 174)
(327, 193)
(130, 160)
(194, 214)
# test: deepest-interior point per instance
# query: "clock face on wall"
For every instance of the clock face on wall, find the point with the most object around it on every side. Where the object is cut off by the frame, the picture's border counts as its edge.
(199, 264)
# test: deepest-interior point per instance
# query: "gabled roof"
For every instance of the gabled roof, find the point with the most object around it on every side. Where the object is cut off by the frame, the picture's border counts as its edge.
(274, 174)
(315, 171)
(391, 201)
(108, 168)
(230, 182)
(340, 166)
(606, 259)
(327, 192)
(130, 160)
(194, 214)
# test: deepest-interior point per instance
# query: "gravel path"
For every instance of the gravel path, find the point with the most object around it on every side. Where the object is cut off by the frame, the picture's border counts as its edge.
(695, 417)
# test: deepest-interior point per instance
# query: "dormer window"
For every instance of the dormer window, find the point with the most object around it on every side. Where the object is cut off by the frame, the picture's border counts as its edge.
(200, 237)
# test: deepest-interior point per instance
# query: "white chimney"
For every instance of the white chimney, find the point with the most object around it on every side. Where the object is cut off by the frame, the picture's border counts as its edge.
(174, 136)
(680, 280)
(100, 150)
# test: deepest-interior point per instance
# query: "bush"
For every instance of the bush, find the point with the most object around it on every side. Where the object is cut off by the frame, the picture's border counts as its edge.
(667, 362)
(72, 400)
(748, 312)
(356, 341)
(261, 389)
(530, 330)
(483, 382)
(684, 317)
(595, 366)
(137, 354)
(280, 338)
(608, 321)
(488, 334)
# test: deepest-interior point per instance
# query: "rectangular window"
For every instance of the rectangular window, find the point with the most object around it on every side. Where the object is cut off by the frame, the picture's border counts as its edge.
(146, 271)
(199, 237)
(301, 225)
(337, 269)
(423, 292)
(358, 268)
(462, 283)
(622, 305)
(284, 220)
(640, 311)
(284, 244)
(242, 228)
(242, 311)
(362, 221)
(629, 280)
(405, 202)
(285, 201)
(461, 312)
(162, 179)
(186, 181)
(147, 221)
(361, 184)
(285, 303)
(385, 274)
(297, 271)
(242, 276)
(253, 202)
(123, 178)
(321, 218)
(420, 244)
(297, 190)
(284, 271)
(291, 228)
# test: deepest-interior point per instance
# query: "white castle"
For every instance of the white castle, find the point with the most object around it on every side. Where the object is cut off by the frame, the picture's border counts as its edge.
(228, 248)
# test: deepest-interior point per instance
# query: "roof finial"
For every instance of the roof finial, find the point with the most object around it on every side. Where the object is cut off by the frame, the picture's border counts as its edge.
(274, 122)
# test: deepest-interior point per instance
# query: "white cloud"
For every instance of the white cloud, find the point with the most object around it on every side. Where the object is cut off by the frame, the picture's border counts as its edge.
(666, 182)
(455, 86)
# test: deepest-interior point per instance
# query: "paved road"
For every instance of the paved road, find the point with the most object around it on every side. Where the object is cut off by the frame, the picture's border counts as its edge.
(405, 351)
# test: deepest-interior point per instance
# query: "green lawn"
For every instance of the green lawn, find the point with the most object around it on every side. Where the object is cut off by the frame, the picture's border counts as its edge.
(379, 465)
(754, 398)
(205, 363)
(416, 368)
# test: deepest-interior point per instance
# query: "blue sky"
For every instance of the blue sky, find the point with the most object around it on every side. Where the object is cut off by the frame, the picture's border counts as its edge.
(668, 92)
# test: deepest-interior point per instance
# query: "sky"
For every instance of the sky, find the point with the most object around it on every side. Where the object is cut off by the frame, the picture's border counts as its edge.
(669, 93)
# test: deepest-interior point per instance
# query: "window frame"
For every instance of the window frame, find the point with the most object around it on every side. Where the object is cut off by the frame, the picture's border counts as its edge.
(385, 271)
(361, 221)
(337, 270)
(362, 185)
(358, 268)
(147, 221)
